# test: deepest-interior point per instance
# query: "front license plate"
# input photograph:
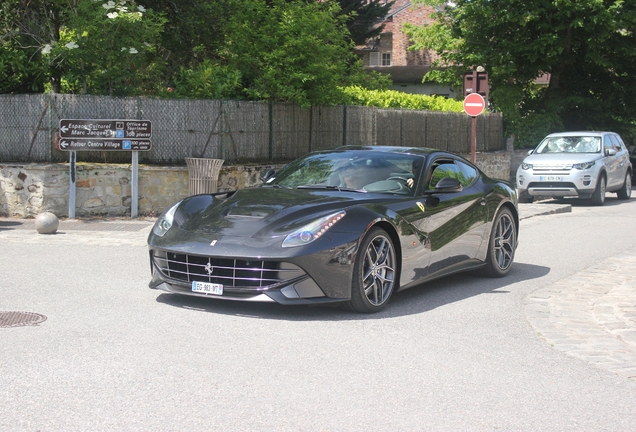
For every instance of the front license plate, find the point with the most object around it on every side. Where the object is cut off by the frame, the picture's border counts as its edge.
(207, 288)
(550, 178)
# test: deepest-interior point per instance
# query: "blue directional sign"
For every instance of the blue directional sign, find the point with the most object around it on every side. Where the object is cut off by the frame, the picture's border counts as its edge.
(87, 144)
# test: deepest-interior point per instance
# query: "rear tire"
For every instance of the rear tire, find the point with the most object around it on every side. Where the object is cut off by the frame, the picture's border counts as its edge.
(625, 192)
(598, 197)
(502, 245)
(374, 273)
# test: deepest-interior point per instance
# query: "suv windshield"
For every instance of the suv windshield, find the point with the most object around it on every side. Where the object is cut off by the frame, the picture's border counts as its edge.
(570, 144)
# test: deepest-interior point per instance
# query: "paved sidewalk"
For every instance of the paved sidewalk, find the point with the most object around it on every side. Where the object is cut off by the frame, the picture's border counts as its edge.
(103, 231)
(590, 315)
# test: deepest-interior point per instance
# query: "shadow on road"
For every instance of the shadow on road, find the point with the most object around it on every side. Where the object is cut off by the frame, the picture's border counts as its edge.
(610, 201)
(9, 225)
(419, 299)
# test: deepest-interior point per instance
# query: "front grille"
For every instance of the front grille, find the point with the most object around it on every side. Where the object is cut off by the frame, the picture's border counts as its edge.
(226, 271)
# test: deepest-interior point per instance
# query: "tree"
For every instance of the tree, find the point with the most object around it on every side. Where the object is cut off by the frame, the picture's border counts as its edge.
(287, 50)
(24, 26)
(107, 48)
(97, 47)
(364, 17)
(587, 47)
(193, 31)
(293, 51)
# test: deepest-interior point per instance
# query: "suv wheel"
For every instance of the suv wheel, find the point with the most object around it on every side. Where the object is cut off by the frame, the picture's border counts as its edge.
(598, 197)
(626, 191)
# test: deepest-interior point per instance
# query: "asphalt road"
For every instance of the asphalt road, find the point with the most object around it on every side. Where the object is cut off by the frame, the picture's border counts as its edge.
(462, 353)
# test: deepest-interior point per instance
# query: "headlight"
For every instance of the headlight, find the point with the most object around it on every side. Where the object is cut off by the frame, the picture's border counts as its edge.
(584, 165)
(526, 166)
(312, 231)
(164, 223)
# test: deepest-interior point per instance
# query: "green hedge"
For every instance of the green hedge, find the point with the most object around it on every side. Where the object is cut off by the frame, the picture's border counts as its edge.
(394, 99)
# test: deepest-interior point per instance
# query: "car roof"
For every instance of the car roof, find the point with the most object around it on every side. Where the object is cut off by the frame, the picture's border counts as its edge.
(580, 133)
(419, 151)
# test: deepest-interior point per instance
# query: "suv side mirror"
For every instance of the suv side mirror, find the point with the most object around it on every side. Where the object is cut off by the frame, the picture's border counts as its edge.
(610, 152)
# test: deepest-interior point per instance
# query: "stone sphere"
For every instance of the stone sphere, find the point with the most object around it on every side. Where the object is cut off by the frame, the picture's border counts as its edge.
(46, 223)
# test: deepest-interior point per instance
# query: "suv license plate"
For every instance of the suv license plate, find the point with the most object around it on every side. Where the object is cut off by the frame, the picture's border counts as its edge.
(207, 288)
(550, 178)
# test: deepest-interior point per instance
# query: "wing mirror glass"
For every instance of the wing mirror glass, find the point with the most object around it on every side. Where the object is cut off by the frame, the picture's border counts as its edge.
(268, 174)
(447, 185)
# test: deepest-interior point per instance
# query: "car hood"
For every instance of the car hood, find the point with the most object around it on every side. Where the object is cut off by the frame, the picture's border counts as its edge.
(561, 158)
(261, 211)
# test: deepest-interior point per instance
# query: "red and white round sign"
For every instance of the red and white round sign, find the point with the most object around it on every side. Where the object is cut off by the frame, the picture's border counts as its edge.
(474, 104)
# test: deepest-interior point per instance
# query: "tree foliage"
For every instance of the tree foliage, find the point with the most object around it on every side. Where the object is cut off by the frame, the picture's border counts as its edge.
(291, 51)
(286, 50)
(364, 17)
(587, 47)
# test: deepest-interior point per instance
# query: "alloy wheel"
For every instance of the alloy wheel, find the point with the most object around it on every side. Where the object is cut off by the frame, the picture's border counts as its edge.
(378, 273)
(504, 241)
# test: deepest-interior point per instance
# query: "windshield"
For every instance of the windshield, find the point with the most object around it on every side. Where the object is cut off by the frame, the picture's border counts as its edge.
(570, 144)
(357, 170)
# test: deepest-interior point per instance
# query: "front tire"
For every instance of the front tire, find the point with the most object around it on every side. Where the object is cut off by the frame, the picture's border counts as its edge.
(374, 273)
(598, 197)
(625, 192)
(502, 245)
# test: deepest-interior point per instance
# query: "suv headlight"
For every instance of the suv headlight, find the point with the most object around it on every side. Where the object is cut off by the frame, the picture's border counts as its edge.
(584, 165)
(526, 166)
(312, 231)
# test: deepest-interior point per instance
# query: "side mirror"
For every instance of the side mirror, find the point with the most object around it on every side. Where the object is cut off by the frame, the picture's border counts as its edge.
(530, 151)
(610, 152)
(447, 185)
(268, 174)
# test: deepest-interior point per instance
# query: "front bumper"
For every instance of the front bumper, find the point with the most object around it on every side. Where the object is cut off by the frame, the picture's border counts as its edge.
(323, 277)
(556, 183)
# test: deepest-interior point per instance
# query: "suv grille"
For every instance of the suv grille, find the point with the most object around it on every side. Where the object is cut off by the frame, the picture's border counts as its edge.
(538, 168)
(226, 271)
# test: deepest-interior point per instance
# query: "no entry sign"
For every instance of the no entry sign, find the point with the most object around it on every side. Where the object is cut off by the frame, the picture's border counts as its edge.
(474, 104)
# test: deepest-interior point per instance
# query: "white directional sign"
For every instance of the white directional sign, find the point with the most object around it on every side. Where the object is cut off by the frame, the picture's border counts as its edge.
(140, 129)
(101, 135)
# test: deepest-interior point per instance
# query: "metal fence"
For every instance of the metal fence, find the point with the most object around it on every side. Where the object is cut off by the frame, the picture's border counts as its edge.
(235, 131)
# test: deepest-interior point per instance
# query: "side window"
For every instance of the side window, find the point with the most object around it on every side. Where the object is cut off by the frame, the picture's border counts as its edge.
(607, 143)
(623, 146)
(468, 173)
(617, 143)
(442, 170)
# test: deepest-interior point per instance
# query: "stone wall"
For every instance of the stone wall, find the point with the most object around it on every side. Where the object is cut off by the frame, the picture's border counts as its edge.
(105, 190)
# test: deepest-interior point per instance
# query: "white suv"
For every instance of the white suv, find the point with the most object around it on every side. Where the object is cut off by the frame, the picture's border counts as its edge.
(576, 164)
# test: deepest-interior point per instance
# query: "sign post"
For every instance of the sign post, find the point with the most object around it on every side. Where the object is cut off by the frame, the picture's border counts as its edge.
(474, 104)
(105, 135)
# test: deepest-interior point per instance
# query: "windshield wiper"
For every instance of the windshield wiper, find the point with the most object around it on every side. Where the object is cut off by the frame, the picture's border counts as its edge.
(318, 186)
(330, 187)
(277, 186)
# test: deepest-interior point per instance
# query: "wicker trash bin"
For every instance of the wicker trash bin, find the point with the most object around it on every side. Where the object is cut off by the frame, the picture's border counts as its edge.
(203, 175)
